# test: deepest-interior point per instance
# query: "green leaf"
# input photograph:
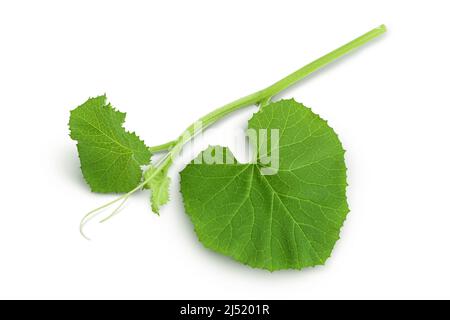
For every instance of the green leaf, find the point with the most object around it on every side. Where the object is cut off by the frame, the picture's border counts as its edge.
(111, 158)
(159, 185)
(288, 220)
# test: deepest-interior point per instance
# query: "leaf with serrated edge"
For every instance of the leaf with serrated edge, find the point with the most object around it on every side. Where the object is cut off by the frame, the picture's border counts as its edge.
(111, 158)
(159, 185)
(290, 220)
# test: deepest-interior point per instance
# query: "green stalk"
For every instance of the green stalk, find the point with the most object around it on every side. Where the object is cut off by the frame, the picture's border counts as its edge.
(163, 147)
(283, 84)
(323, 61)
(276, 88)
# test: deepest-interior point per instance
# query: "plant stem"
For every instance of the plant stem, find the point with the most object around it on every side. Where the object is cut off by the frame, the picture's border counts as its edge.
(323, 61)
(266, 94)
(276, 88)
(162, 147)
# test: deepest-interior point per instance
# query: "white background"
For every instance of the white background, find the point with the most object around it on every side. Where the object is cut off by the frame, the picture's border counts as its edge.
(166, 63)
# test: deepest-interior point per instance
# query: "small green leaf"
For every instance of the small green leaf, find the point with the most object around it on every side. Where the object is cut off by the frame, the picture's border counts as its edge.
(111, 158)
(159, 185)
(288, 220)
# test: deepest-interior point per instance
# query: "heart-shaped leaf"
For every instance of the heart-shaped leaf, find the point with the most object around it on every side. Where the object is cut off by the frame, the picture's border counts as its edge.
(284, 211)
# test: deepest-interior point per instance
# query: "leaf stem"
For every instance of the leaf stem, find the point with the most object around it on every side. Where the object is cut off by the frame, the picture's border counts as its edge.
(302, 73)
(265, 95)
(163, 147)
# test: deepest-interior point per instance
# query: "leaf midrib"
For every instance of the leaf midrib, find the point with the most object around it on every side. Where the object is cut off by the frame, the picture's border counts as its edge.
(130, 151)
(289, 214)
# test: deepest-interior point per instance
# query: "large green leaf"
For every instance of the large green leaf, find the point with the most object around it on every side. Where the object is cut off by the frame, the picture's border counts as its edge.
(111, 158)
(288, 220)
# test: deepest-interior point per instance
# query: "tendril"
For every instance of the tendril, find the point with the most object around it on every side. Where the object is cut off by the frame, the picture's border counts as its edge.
(94, 213)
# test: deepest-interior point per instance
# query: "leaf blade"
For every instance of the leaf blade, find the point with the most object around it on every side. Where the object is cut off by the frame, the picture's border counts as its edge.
(159, 186)
(111, 158)
(290, 220)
